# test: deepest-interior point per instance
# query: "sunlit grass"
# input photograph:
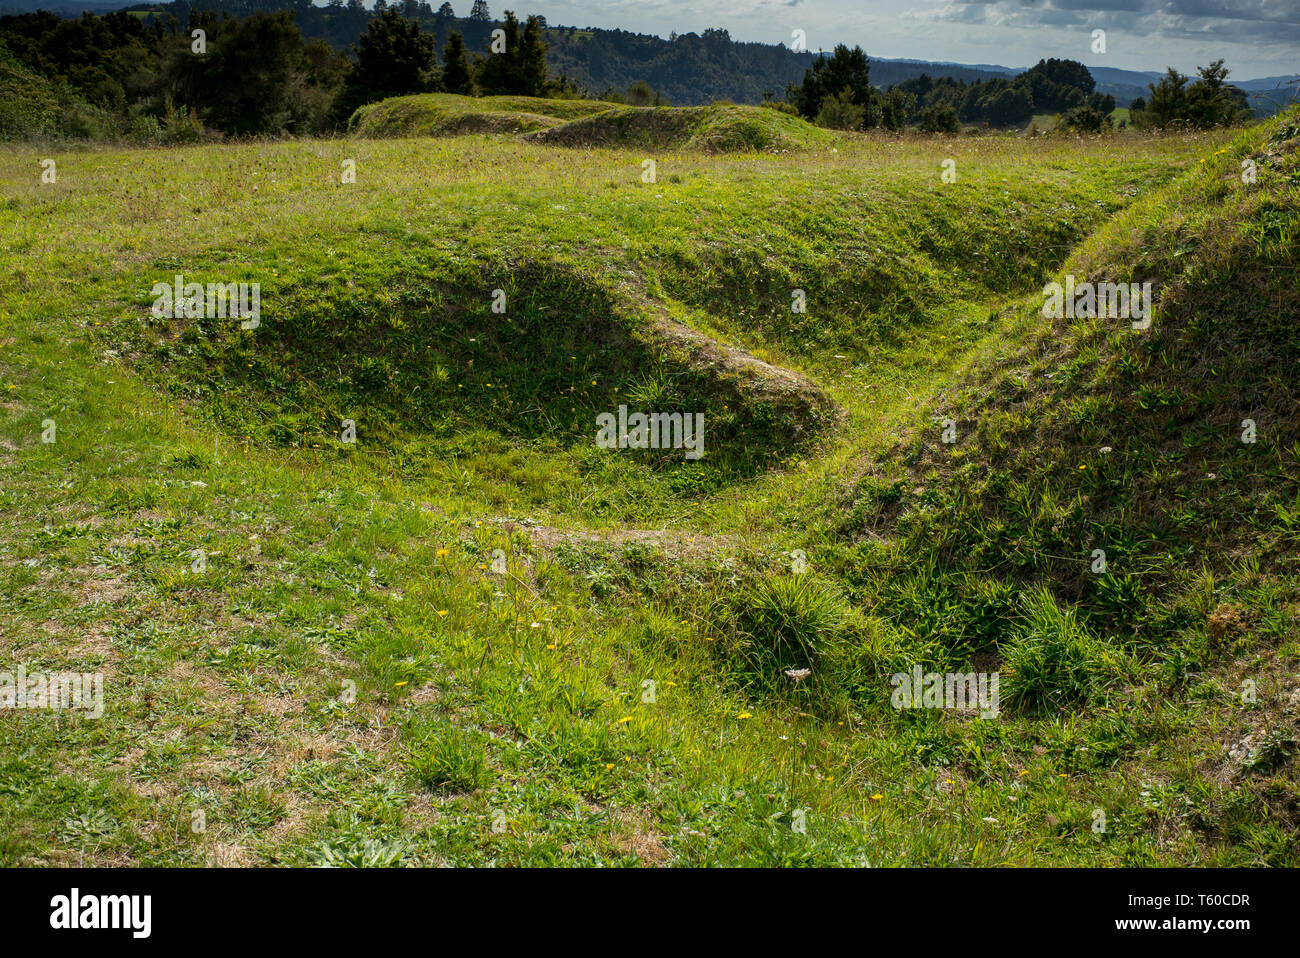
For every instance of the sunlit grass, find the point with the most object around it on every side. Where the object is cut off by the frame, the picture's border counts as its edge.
(352, 680)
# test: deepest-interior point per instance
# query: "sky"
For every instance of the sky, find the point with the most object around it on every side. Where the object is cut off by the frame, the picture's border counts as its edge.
(1257, 38)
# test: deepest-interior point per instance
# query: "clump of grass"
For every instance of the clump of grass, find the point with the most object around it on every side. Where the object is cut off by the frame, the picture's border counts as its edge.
(787, 622)
(1278, 746)
(359, 853)
(1055, 661)
(450, 760)
(651, 391)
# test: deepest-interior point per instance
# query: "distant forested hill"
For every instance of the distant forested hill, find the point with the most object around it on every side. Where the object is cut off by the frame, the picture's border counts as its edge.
(688, 68)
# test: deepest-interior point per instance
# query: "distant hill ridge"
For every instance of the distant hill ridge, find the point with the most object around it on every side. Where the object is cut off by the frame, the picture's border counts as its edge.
(689, 69)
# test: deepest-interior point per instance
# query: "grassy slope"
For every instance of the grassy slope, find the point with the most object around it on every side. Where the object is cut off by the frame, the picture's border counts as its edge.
(515, 700)
(1097, 436)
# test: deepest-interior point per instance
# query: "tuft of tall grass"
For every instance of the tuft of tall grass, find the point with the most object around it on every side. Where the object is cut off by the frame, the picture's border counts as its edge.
(1054, 661)
(787, 623)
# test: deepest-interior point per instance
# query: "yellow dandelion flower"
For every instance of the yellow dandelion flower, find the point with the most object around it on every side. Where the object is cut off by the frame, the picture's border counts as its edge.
(744, 715)
(625, 719)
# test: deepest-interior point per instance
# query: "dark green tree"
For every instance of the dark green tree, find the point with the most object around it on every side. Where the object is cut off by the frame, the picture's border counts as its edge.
(394, 58)
(1067, 73)
(940, 117)
(499, 72)
(456, 76)
(1103, 103)
(840, 112)
(1085, 119)
(639, 94)
(1211, 102)
(248, 80)
(1009, 106)
(532, 60)
(831, 76)
(896, 109)
(1168, 102)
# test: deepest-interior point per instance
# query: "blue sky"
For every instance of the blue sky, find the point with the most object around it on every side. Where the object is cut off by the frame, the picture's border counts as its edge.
(1256, 37)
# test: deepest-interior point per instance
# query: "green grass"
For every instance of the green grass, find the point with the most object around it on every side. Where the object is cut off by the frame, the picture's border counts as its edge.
(351, 680)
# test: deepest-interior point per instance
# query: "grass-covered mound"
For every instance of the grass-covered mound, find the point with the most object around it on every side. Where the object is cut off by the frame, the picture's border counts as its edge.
(449, 114)
(1093, 438)
(720, 128)
(1095, 435)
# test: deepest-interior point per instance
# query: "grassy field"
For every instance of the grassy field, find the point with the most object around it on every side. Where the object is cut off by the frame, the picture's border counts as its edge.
(473, 637)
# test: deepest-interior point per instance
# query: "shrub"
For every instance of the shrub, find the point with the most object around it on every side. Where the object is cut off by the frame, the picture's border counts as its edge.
(839, 112)
(181, 126)
(28, 106)
(144, 128)
(939, 117)
(1084, 119)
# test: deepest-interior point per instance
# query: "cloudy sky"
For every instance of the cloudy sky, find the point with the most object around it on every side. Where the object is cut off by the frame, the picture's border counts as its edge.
(1256, 37)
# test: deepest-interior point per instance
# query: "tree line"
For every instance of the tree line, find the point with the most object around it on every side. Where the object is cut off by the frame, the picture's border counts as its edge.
(139, 75)
(836, 91)
(125, 76)
(1208, 101)
(686, 68)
